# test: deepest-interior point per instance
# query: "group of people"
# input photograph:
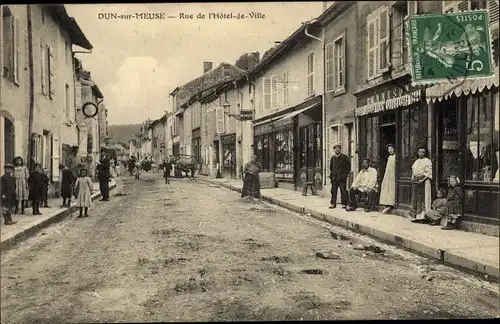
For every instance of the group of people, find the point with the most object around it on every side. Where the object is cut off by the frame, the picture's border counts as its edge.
(20, 186)
(444, 211)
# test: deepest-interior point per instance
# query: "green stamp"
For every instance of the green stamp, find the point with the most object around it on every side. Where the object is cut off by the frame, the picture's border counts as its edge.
(450, 47)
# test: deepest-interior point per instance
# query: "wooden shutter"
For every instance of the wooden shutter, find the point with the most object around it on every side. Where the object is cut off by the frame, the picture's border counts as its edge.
(384, 27)
(340, 61)
(280, 91)
(267, 93)
(260, 96)
(220, 119)
(50, 72)
(55, 159)
(329, 67)
(17, 50)
(449, 6)
(371, 47)
(310, 74)
(274, 92)
(492, 6)
(463, 5)
(43, 70)
(78, 96)
(286, 88)
(412, 7)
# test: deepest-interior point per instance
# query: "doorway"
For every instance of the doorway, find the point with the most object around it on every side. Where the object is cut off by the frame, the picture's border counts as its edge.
(387, 136)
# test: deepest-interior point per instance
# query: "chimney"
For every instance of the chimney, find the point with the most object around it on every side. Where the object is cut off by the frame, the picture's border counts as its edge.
(207, 66)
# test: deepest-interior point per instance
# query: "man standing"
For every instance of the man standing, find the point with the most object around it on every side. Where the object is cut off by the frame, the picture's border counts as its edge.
(104, 176)
(365, 183)
(340, 166)
(167, 168)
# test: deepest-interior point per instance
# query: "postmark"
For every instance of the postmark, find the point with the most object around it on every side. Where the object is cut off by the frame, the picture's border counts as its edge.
(449, 47)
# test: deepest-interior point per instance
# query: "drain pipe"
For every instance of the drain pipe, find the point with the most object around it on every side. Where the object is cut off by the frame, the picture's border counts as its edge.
(323, 111)
(31, 86)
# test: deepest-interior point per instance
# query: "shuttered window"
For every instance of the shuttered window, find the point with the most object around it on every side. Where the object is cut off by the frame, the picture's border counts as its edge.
(55, 159)
(260, 96)
(50, 60)
(285, 89)
(492, 6)
(280, 92)
(455, 6)
(17, 51)
(378, 31)
(329, 67)
(274, 92)
(339, 63)
(310, 74)
(220, 120)
(267, 93)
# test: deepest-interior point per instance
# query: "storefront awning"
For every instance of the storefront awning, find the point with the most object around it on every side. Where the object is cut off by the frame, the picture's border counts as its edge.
(445, 90)
(295, 113)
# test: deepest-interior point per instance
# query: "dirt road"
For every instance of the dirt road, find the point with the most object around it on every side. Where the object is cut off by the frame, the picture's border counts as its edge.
(193, 252)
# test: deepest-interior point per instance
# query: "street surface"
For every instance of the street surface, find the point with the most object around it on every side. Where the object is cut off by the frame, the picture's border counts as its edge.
(189, 251)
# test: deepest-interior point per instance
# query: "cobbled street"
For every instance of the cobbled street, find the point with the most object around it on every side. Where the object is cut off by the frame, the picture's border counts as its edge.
(190, 251)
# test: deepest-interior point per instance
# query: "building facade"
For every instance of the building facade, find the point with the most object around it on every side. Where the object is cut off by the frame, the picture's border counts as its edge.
(288, 110)
(157, 128)
(14, 86)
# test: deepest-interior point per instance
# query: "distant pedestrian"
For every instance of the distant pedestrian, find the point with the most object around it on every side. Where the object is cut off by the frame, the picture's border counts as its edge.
(36, 186)
(21, 175)
(8, 191)
(46, 184)
(167, 169)
(83, 189)
(67, 182)
(137, 169)
(251, 181)
(340, 167)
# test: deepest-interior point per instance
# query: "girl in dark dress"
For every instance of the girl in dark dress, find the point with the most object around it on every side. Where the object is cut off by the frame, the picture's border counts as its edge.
(36, 186)
(8, 192)
(66, 185)
(454, 199)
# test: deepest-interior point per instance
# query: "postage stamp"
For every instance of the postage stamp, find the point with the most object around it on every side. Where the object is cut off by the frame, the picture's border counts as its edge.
(450, 47)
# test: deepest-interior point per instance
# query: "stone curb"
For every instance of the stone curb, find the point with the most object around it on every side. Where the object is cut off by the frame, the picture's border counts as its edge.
(441, 255)
(32, 229)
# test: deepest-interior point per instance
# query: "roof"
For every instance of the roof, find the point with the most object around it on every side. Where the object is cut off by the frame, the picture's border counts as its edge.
(59, 12)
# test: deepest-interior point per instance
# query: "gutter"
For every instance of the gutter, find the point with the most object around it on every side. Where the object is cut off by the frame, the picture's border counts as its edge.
(323, 110)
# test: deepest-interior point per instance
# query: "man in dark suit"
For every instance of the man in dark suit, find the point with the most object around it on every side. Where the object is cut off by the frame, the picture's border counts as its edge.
(340, 167)
(104, 176)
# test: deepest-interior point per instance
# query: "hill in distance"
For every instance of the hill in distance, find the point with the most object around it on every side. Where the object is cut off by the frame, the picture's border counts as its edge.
(124, 133)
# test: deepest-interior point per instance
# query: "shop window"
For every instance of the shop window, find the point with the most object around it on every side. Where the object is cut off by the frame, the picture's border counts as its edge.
(372, 139)
(449, 125)
(482, 138)
(319, 146)
(284, 150)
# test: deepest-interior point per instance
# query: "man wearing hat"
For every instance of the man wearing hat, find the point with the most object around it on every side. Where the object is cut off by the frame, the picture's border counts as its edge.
(340, 166)
(8, 191)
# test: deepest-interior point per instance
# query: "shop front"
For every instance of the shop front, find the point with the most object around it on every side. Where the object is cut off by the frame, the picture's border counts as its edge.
(229, 156)
(392, 114)
(467, 143)
(289, 145)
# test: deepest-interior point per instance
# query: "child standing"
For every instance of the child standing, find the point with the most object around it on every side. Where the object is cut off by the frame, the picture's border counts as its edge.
(453, 203)
(8, 190)
(36, 187)
(66, 185)
(83, 187)
(438, 208)
(21, 175)
(137, 170)
(46, 183)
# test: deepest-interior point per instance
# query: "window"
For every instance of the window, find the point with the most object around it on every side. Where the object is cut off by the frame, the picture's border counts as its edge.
(286, 91)
(370, 138)
(260, 98)
(274, 92)
(351, 148)
(400, 43)
(267, 93)
(50, 72)
(329, 67)
(310, 74)
(339, 63)
(8, 42)
(66, 50)
(334, 136)
(409, 139)
(378, 42)
(284, 150)
(67, 99)
(482, 137)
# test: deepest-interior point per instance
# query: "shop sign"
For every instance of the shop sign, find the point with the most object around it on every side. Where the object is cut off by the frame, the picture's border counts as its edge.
(229, 139)
(272, 126)
(450, 47)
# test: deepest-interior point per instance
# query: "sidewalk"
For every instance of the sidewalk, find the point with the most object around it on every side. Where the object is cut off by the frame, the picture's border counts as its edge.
(29, 225)
(472, 251)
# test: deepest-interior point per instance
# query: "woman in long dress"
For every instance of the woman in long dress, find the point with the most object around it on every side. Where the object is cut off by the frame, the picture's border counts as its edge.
(251, 181)
(21, 175)
(388, 189)
(421, 186)
(83, 186)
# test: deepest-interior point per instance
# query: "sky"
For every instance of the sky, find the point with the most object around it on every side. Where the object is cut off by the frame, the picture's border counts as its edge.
(138, 63)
